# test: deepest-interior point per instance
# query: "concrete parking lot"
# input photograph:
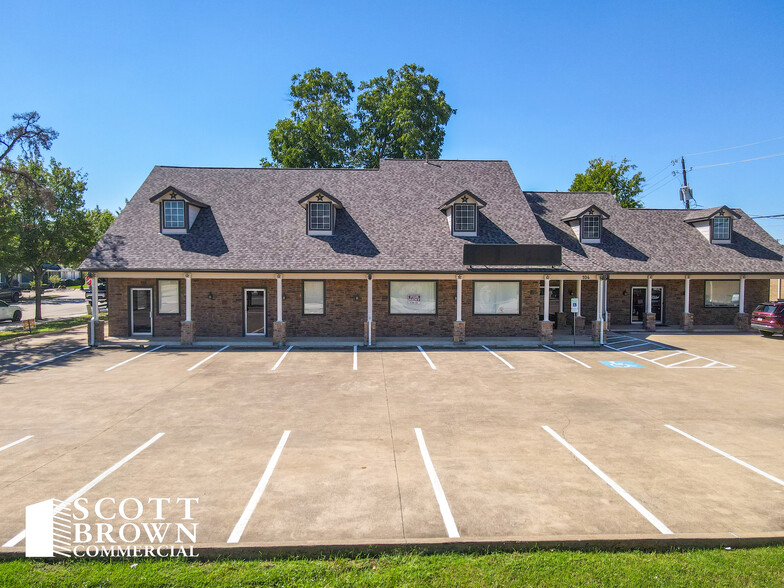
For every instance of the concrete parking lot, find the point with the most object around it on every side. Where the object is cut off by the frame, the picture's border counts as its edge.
(665, 435)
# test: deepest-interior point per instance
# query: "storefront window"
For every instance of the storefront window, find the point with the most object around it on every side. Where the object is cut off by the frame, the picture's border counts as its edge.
(412, 297)
(312, 297)
(722, 293)
(496, 297)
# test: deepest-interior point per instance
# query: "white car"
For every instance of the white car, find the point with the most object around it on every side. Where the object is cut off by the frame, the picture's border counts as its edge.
(10, 312)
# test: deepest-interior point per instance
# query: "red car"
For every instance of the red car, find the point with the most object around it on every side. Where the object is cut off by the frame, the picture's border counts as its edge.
(768, 318)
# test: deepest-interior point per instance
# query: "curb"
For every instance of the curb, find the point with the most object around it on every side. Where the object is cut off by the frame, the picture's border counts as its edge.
(34, 335)
(619, 543)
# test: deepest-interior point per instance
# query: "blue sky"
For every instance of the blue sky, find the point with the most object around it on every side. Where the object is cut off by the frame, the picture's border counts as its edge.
(544, 85)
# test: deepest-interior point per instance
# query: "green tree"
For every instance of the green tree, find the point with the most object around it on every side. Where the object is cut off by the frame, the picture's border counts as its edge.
(609, 176)
(29, 137)
(402, 114)
(62, 233)
(319, 132)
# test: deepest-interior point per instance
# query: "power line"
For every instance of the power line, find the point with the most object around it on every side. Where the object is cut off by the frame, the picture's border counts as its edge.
(661, 186)
(736, 147)
(659, 181)
(739, 161)
(768, 216)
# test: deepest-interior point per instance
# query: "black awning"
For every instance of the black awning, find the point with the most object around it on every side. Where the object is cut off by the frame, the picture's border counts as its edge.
(522, 255)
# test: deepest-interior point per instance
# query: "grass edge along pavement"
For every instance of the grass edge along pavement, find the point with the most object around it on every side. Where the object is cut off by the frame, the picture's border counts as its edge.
(759, 566)
(48, 327)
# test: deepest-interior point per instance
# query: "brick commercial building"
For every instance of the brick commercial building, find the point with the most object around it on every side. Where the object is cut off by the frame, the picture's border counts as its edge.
(415, 249)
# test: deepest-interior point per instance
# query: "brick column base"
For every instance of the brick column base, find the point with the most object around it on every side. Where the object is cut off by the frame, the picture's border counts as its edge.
(370, 328)
(458, 332)
(279, 333)
(596, 331)
(650, 321)
(687, 321)
(546, 331)
(579, 325)
(98, 331)
(187, 330)
(560, 320)
(743, 321)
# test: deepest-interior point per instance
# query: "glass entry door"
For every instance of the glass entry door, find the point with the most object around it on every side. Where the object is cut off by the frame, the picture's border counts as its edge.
(639, 294)
(141, 311)
(256, 312)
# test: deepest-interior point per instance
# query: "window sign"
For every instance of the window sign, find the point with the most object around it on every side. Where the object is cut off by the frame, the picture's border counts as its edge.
(412, 297)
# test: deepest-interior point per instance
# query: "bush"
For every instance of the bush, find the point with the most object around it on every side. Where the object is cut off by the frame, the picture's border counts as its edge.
(54, 280)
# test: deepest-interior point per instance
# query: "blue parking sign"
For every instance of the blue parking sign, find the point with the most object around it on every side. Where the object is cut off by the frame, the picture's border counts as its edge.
(621, 364)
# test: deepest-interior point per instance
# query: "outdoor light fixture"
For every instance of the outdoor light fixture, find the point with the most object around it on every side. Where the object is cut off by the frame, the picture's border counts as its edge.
(625, 292)
(356, 297)
(284, 297)
(210, 296)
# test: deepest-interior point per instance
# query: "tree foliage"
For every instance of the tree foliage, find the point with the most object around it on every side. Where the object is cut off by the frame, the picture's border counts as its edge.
(30, 138)
(609, 176)
(35, 233)
(402, 114)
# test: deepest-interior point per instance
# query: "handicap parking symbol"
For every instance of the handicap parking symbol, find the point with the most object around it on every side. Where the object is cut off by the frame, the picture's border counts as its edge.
(621, 364)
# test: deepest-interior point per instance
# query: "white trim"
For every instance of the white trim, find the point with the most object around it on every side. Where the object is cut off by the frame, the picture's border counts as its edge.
(245, 311)
(152, 303)
(631, 303)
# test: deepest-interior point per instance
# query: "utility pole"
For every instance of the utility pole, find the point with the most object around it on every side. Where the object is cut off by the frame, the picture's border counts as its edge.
(683, 168)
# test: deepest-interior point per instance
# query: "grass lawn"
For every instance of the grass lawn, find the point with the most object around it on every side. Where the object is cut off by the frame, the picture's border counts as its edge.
(763, 566)
(48, 328)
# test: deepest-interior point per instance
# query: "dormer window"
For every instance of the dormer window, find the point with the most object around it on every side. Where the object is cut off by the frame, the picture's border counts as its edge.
(462, 214)
(721, 228)
(321, 210)
(591, 228)
(464, 218)
(174, 214)
(586, 223)
(178, 210)
(715, 224)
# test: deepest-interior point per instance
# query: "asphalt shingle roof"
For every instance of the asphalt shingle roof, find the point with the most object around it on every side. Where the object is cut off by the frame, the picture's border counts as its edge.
(391, 222)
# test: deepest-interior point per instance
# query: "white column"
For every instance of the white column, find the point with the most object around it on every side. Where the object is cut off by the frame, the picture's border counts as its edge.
(95, 297)
(560, 296)
(687, 287)
(778, 290)
(599, 298)
(546, 313)
(742, 301)
(188, 297)
(279, 294)
(370, 301)
(459, 298)
(579, 297)
(648, 296)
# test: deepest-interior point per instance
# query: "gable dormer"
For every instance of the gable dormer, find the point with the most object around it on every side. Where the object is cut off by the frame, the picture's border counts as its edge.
(320, 209)
(178, 210)
(715, 224)
(586, 223)
(462, 213)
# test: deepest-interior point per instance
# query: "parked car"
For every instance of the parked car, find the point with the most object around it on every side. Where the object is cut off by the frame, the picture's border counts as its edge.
(9, 312)
(88, 295)
(768, 318)
(12, 293)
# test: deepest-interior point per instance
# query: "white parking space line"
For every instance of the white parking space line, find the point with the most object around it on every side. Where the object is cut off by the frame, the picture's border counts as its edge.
(509, 365)
(133, 358)
(239, 528)
(635, 345)
(281, 358)
(89, 486)
(669, 365)
(443, 505)
(17, 442)
(426, 357)
(27, 367)
(670, 355)
(569, 356)
(728, 456)
(659, 347)
(609, 481)
(355, 357)
(209, 357)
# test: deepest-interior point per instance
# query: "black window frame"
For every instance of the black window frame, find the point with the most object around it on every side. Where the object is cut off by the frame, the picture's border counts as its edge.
(160, 298)
(473, 207)
(389, 300)
(184, 205)
(583, 236)
(713, 228)
(331, 217)
(519, 298)
(323, 299)
(705, 295)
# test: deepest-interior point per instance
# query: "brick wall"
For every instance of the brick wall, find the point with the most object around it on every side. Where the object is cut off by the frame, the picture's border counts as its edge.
(345, 316)
(117, 296)
(224, 314)
(402, 325)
